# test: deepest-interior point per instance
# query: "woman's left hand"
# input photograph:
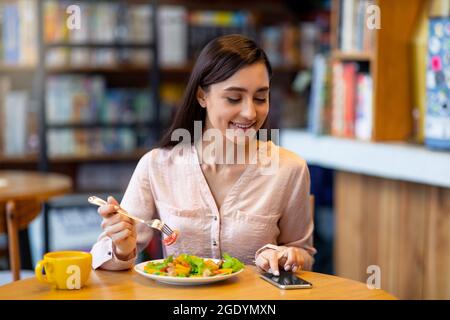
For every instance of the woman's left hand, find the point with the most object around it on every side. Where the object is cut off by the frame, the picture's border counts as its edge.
(271, 260)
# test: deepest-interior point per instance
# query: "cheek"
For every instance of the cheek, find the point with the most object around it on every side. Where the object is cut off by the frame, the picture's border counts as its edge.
(220, 114)
(262, 113)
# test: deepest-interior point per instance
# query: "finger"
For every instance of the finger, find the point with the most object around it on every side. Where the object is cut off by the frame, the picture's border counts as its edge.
(107, 210)
(112, 201)
(115, 219)
(122, 235)
(118, 227)
(106, 222)
(297, 265)
(282, 257)
(291, 259)
(262, 263)
(273, 263)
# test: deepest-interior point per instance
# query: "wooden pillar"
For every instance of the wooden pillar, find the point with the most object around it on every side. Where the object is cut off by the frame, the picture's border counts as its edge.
(402, 227)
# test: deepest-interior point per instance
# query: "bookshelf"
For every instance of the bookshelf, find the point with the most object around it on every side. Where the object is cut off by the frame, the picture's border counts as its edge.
(388, 64)
(155, 71)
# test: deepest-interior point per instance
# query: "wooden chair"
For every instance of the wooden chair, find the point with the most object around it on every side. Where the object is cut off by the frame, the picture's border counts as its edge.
(15, 216)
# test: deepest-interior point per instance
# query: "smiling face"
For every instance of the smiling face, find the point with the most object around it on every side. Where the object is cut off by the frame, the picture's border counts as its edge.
(239, 103)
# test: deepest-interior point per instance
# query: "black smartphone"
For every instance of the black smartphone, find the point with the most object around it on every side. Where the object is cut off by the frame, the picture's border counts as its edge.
(286, 280)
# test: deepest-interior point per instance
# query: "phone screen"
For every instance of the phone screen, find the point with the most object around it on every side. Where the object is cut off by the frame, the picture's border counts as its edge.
(286, 280)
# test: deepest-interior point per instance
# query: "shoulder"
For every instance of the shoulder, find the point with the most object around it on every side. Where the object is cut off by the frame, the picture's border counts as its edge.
(168, 155)
(289, 163)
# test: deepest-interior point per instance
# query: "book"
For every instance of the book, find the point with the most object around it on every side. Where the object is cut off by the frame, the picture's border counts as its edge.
(347, 25)
(317, 97)
(338, 99)
(363, 116)
(27, 32)
(353, 34)
(172, 46)
(11, 34)
(15, 130)
(437, 117)
(5, 87)
(349, 77)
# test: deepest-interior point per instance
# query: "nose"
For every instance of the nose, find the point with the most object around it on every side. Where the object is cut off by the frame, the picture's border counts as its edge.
(249, 111)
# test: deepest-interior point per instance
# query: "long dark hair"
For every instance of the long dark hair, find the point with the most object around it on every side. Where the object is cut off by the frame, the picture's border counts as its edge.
(219, 60)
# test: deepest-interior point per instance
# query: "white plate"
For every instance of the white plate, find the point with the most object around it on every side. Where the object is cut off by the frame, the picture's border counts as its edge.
(181, 280)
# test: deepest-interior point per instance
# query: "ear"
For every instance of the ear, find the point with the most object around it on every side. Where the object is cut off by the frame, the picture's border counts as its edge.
(201, 97)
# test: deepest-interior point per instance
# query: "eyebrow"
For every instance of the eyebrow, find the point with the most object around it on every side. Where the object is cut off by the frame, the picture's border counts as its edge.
(245, 90)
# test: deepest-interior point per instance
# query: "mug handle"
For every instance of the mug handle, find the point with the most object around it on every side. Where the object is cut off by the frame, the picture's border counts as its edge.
(38, 272)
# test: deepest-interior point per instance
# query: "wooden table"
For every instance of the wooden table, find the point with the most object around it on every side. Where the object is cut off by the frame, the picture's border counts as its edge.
(129, 285)
(21, 193)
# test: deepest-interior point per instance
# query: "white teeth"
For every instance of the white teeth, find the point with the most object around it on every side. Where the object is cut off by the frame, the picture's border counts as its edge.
(242, 126)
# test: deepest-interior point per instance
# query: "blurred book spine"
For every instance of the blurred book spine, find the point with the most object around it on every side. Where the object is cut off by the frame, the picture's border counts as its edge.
(84, 100)
(363, 115)
(205, 25)
(354, 36)
(101, 23)
(351, 101)
(173, 33)
(18, 38)
(319, 92)
(15, 130)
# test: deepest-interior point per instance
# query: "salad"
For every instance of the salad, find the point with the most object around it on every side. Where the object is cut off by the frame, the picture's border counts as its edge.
(186, 265)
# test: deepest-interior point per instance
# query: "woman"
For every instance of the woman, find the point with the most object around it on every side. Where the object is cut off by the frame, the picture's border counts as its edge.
(218, 206)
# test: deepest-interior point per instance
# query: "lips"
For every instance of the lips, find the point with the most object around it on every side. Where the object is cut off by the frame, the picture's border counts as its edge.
(243, 126)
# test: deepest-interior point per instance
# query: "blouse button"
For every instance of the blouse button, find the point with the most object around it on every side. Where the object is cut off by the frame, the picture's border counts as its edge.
(214, 243)
(215, 218)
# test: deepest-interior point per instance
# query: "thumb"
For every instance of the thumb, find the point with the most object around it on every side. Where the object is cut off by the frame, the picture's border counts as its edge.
(112, 201)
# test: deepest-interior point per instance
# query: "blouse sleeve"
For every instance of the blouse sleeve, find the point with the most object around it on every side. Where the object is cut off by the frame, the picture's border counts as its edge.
(296, 223)
(138, 200)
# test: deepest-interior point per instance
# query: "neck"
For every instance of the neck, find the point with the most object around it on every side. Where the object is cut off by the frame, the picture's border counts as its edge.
(224, 152)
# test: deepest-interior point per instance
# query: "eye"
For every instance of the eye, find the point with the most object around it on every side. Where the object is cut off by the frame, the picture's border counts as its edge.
(234, 101)
(260, 100)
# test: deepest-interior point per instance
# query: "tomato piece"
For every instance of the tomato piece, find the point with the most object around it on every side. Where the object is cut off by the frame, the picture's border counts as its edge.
(171, 239)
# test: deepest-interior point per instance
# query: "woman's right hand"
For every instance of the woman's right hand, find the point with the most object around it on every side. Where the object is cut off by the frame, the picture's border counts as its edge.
(119, 228)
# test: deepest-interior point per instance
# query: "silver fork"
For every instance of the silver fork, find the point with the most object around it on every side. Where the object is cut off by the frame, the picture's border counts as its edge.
(154, 223)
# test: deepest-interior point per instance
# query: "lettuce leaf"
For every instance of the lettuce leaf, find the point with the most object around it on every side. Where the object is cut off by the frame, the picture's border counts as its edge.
(232, 263)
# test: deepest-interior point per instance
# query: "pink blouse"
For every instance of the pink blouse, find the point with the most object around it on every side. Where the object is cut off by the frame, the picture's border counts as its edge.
(259, 209)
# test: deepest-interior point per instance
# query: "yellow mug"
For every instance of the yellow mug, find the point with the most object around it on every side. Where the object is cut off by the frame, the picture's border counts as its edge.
(65, 269)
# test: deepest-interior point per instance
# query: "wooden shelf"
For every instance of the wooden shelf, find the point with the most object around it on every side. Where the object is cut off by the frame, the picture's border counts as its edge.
(28, 158)
(98, 45)
(126, 156)
(16, 68)
(176, 70)
(394, 160)
(390, 67)
(99, 69)
(352, 56)
(95, 125)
